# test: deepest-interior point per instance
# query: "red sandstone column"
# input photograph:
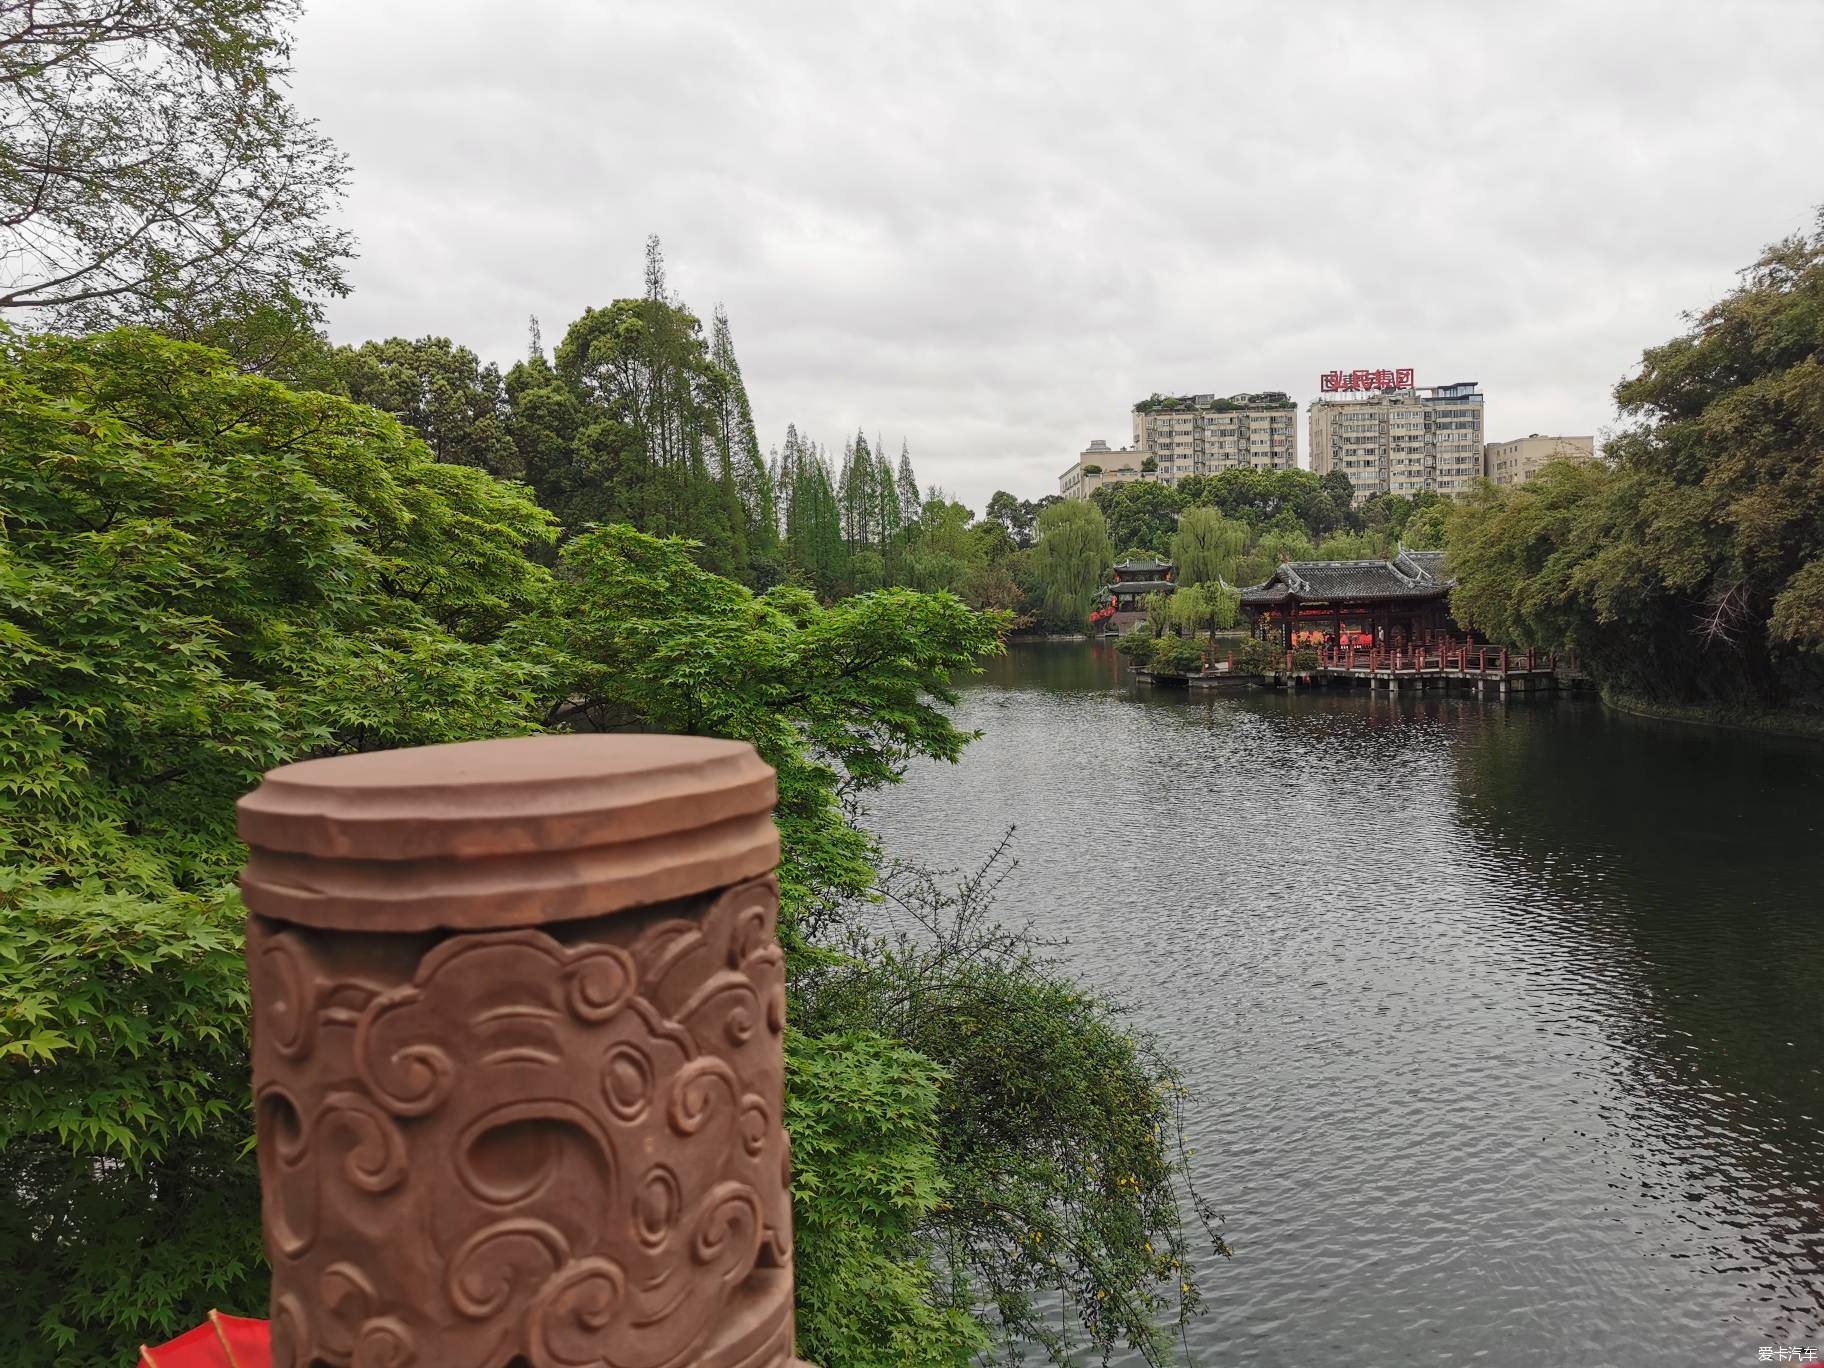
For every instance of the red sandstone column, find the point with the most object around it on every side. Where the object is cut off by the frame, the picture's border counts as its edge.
(517, 1056)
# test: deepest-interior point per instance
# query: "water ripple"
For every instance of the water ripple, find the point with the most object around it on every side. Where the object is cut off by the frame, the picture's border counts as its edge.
(1504, 1025)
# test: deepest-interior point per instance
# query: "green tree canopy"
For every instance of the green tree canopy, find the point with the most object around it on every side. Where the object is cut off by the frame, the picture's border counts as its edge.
(1139, 513)
(1208, 607)
(835, 699)
(440, 391)
(636, 422)
(941, 552)
(1260, 497)
(1004, 509)
(1071, 560)
(1426, 527)
(1690, 572)
(1385, 514)
(1207, 546)
(1341, 491)
(204, 574)
(1353, 546)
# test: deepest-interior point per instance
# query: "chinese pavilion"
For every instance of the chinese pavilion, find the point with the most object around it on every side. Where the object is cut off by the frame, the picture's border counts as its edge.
(1388, 603)
(1135, 579)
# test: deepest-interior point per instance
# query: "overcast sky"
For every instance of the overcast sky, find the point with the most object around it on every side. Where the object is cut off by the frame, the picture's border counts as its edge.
(989, 228)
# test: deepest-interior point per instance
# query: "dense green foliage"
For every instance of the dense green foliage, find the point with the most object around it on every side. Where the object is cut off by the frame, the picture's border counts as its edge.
(1208, 547)
(1139, 513)
(204, 574)
(634, 420)
(1137, 645)
(1424, 530)
(639, 418)
(1284, 498)
(1058, 1183)
(1389, 515)
(1206, 607)
(1019, 516)
(1689, 571)
(438, 390)
(1199, 520)
(862, 1113)
(1071, 560)
(1176, 655)
(1260, 655)
(835, 698)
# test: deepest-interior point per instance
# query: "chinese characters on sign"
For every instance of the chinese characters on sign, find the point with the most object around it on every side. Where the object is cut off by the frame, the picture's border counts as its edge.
(1332, 382)
(1787, 1353)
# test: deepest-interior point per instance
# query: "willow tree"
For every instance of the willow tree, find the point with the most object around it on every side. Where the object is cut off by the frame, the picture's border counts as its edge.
(1207, 546)
(1209, 607)
(1071, 558)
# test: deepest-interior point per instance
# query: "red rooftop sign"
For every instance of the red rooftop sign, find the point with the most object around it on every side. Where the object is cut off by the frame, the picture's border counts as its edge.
(1331, 382)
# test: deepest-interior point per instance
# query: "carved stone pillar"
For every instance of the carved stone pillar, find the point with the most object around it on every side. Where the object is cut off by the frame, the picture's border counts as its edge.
(517, 1056)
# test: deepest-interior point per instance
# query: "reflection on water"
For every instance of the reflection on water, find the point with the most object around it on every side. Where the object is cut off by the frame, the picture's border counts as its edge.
(1506, 1026)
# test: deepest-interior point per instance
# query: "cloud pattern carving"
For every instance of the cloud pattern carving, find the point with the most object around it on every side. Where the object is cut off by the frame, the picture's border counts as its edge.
(560, 1146)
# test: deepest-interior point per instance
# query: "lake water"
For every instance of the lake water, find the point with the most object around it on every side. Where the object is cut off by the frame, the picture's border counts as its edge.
(1505, 1025)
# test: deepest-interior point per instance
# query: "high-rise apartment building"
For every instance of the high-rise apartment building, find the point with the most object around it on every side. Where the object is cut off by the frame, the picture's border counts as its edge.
(1201, 434)
(1516, 462)
(1401, 441)
(1102, 464)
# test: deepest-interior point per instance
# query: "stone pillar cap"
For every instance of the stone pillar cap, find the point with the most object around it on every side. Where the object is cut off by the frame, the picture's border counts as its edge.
(514, 832)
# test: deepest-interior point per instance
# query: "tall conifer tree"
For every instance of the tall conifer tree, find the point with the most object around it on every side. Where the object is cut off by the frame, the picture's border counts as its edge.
(909, 501)
(740, 447)
(889, 517)
(845, 494)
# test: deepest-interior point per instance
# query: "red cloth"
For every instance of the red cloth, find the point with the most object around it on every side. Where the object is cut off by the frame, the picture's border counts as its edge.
(220, 1342)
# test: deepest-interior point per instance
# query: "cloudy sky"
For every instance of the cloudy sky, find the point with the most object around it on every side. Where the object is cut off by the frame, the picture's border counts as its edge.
(989, 228)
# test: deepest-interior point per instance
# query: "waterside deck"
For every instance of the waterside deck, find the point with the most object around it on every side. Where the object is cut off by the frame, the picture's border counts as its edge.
(1489, 671)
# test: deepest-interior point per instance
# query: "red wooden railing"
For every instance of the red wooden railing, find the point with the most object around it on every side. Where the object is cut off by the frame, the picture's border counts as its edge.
(1434, 656)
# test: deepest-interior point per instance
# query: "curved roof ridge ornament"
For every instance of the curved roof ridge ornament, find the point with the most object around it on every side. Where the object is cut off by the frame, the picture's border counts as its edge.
(1294, 580)
(1413, 573)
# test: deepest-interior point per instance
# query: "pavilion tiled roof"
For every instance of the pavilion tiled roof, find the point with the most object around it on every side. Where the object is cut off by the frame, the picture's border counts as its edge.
(1151, 586)
(1143, 565)
(1407, 576)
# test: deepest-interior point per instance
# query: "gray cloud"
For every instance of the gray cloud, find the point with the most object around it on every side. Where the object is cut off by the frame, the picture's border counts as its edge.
(989, 228)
